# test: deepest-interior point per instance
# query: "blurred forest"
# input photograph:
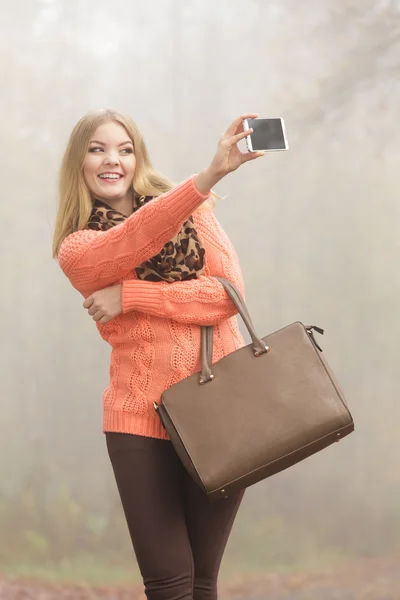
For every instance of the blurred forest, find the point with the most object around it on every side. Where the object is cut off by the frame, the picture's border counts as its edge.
(316, 230)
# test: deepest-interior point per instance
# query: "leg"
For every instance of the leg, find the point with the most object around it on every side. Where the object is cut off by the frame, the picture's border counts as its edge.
(209, 526)
(150, 481)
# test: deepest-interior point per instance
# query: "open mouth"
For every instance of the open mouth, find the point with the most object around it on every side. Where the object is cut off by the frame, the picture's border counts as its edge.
(110, 177)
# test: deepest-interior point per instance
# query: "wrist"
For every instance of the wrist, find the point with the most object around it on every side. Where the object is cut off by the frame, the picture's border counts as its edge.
(206, 180)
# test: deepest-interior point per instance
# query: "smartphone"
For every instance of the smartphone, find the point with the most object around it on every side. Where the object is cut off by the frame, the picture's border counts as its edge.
(269, 135)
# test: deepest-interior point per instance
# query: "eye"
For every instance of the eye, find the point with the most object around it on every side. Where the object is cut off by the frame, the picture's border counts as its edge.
(95, 148)
(127, 150)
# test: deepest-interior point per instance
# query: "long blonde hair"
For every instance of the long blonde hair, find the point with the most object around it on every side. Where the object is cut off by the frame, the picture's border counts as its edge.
(75, 203)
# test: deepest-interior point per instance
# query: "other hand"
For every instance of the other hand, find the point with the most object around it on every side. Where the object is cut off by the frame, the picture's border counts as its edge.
(105, 304)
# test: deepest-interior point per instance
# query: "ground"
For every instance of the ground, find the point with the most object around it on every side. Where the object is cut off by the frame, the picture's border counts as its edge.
(364, 580)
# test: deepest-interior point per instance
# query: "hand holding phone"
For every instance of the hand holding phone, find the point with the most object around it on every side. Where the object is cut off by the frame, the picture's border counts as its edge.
(228, 156)
(268, 135)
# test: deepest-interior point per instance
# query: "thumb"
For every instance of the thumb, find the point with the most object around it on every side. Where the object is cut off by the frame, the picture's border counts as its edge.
(252, 156)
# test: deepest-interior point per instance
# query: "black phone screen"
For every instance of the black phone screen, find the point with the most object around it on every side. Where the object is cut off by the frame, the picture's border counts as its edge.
(267, 135)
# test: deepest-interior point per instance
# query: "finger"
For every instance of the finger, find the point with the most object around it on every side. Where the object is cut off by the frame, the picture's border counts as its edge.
(251, 156)
(233, 127)
(88, 302)
(104, 319)
(239, 136)
(98, 315)
(93, 309)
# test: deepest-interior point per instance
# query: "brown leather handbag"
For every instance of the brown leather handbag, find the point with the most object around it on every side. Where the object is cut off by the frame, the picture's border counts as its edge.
(257, 411)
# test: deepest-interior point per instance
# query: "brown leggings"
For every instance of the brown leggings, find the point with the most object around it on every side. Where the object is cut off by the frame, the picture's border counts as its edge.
(178, 536)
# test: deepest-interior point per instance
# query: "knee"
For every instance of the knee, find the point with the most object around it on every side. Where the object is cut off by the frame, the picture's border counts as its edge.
(171, 587)
(205, 588)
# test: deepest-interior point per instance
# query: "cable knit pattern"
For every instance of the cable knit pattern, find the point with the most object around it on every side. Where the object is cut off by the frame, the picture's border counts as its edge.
(112, 332)
(202, 301)
(142, 356)
(184, 353)
(156, 340)
(96, 259)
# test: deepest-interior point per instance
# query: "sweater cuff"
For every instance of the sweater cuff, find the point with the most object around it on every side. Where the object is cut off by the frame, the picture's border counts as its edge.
(190, 199)
(141, 295)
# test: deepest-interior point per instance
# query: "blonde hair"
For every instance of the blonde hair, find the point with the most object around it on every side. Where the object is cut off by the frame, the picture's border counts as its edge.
(75, 203)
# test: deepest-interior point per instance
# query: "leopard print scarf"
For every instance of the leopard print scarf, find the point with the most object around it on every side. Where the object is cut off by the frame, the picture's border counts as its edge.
(180, 259)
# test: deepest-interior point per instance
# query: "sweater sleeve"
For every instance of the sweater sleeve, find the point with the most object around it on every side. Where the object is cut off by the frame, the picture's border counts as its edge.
(201, 301)
(93, 260)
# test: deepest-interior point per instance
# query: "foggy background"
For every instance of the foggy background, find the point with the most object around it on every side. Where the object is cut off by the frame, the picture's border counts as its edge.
(316, 230)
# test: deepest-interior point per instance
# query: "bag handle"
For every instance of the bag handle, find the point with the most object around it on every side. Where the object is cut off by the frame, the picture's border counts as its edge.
(207, 332)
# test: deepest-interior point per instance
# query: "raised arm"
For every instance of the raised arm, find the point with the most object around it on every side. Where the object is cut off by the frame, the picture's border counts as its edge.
(201, 301)
(93, 260)
(96, 259)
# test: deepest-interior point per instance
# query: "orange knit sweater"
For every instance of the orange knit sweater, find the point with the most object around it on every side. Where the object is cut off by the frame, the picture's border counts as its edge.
(156, 340)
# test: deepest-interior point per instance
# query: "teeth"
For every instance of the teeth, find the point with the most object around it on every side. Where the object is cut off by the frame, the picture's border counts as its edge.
(109, 176)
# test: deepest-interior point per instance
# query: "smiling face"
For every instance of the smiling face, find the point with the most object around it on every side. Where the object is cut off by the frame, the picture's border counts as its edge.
(109, 165)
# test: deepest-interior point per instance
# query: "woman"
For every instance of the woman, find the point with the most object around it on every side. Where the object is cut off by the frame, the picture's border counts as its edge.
(144, 254)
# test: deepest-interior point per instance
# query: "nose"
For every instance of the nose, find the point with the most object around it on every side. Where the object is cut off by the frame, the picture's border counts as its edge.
(111, 158)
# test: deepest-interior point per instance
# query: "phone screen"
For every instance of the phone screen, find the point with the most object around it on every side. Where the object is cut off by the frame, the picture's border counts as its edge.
(268, 134)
